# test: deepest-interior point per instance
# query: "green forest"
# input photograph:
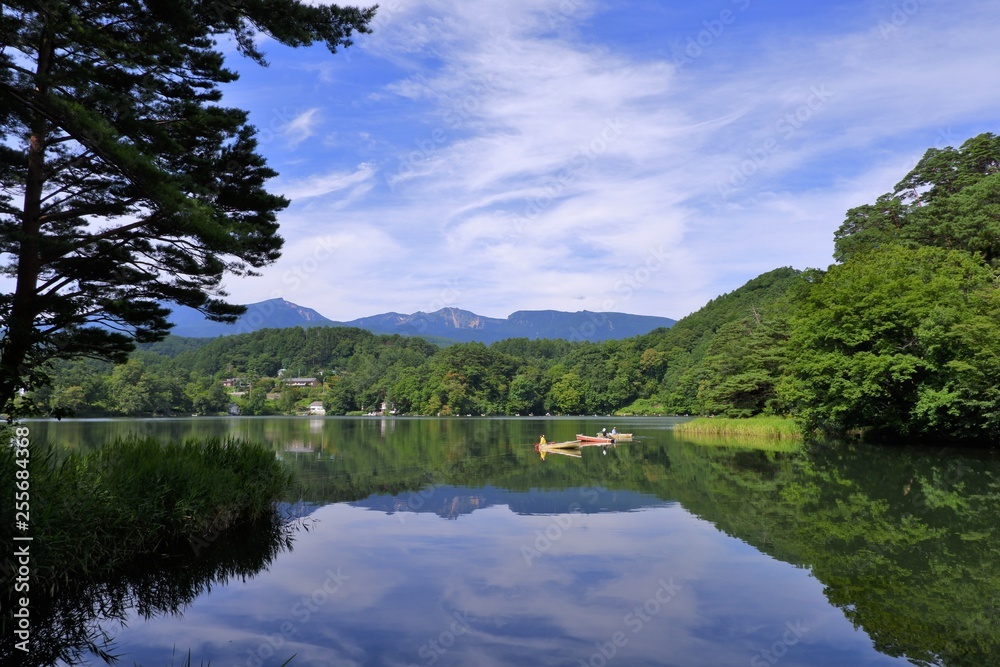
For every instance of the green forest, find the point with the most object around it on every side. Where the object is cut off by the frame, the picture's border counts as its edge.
(898, 339)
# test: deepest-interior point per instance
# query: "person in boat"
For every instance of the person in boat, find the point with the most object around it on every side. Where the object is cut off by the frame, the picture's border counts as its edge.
(604, 431)
(614, 430)
(541, 441)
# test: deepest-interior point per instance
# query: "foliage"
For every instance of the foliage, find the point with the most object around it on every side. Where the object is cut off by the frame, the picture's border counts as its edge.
(900, 341)
(95, 512)
(125, 183)
(951, 199)
(743, 364)
(725, 358)
(642, 407)
(904, 541)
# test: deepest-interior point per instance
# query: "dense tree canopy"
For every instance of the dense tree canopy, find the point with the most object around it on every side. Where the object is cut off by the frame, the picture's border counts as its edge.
(950, 199)
(123, 181)
(902, 338)
(901, 341)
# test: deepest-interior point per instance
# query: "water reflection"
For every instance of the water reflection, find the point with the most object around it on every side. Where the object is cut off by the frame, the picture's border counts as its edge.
(456, 532)
(82, 617)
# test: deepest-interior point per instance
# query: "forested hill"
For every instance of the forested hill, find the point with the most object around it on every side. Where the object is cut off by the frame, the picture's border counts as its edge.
(725, 358)
(357, 370)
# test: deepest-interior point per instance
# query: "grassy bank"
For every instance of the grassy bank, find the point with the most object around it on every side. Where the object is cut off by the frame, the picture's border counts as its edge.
(642, 407)
(754, 442)
(765, 427)
(93, 513)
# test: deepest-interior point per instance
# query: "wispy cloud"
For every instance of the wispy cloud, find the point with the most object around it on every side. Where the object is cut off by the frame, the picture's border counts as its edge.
(316, 185)
(521, 149)
(301, 127)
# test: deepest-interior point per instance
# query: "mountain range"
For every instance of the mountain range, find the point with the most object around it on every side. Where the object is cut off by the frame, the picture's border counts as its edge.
(452, 324)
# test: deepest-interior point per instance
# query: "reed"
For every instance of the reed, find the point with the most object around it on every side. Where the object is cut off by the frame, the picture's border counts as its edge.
(754, 442)
(760, 426)
(136, 496)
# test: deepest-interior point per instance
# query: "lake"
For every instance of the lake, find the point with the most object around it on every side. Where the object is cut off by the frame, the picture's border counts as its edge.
(452, 542)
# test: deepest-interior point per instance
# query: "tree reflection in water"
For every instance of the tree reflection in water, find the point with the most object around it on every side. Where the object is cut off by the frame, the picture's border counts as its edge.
(77, 619)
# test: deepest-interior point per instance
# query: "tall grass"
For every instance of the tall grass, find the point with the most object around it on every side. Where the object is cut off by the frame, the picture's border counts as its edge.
(754, 442)
(133, 497)
(764, 427)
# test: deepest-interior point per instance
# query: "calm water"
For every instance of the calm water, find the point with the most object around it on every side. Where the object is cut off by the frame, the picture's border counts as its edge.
(450, 542)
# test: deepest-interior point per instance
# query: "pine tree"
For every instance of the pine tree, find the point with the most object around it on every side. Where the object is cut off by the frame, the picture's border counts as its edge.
(124, 183)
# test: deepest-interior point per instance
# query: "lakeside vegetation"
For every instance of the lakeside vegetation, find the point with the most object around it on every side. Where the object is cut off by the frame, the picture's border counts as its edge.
(759, 427)
(96, 513)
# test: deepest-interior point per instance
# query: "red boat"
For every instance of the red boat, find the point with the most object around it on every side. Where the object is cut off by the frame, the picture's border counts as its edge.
(594, 439)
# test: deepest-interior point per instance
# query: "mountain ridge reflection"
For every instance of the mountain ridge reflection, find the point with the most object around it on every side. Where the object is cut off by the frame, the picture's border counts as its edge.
(451, 502)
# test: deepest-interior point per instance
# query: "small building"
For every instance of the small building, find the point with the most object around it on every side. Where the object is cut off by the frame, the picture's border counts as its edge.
(231, 382)
(316, 408)
(234, 410)
(301, 382)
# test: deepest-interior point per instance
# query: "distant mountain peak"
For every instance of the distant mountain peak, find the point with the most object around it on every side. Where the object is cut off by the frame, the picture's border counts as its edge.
(449, 322)
(276, 313)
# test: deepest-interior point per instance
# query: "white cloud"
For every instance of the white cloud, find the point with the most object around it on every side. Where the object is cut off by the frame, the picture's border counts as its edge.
(317, 185)
(301, 127)
(511, 150)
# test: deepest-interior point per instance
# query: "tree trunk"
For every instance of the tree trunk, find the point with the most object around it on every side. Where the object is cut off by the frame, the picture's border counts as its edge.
(24, 305)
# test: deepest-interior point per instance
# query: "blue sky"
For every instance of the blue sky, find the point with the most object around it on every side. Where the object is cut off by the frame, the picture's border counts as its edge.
(634, 156)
